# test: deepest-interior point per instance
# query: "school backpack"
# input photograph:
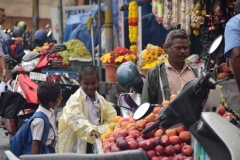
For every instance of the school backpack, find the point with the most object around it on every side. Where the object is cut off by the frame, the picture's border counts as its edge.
(21, 143)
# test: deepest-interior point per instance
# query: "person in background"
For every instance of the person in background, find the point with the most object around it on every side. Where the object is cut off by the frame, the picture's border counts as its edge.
(103, 38)
(27, 38)
(3, 37)
(50, 96)
(232, 43)
(167, 78)
(40, 37)
(85, 116)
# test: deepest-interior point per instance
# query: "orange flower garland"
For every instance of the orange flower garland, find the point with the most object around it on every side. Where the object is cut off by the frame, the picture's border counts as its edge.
(133, 25)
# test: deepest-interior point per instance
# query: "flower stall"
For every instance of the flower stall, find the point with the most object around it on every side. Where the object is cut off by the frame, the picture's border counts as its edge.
(116, 57)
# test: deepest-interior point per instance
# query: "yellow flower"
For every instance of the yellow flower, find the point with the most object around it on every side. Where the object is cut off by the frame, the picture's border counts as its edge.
(119, 59)
(106, 58)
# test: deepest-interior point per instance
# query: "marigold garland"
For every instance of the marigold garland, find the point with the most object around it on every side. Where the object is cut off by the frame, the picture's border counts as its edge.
(133, 25)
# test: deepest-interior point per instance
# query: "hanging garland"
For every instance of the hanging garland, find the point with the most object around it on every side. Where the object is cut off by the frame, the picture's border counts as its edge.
(167, 14)
(133, 25)
(157, 9)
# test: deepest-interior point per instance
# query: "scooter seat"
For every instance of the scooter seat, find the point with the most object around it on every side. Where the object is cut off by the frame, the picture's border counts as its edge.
(123, 155)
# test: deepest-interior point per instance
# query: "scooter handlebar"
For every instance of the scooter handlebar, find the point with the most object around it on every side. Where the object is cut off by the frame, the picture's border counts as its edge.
(205, 80)
(152, 127)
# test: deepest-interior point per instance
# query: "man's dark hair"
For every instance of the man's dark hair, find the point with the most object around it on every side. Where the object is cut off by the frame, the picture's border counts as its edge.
(102, 14)
(177, 33)
(88, 70)
(2, 9)
(48, 92)
(237, 8)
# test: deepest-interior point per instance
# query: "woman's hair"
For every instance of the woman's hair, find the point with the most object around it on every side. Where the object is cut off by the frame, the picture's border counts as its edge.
(177, 33)
(88, 70)
(48, 92)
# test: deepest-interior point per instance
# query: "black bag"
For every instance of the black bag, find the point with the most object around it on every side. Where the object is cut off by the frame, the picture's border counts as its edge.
(11, 103)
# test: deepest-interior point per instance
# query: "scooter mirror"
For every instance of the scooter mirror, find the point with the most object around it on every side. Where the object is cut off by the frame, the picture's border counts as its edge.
(30, 56)
(58, 48)
(49, 33)
(216, 46)
(142, 111)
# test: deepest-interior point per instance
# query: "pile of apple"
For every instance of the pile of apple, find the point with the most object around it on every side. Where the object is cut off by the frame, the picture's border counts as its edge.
(126, 135)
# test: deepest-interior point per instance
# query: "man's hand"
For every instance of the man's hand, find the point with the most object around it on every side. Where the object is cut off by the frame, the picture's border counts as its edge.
(95, 134)
(4, 76)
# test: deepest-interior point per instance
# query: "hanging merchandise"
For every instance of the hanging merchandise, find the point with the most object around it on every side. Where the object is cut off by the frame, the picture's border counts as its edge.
(188, 15)
(174, 20)
(133, 25)
(157, 9)
(197, 17)
(167, 14)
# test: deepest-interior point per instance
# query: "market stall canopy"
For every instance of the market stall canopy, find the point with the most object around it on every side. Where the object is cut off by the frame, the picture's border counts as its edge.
(23, 8)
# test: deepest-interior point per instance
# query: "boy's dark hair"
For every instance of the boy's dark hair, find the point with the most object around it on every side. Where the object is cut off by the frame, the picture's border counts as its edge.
(101, 13)
(2, 9)
(88, 70)
(48, 92)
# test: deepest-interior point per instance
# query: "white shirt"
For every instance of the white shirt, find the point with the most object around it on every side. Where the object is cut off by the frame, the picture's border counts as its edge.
(94, 111)
(37, 126)
(103, 40)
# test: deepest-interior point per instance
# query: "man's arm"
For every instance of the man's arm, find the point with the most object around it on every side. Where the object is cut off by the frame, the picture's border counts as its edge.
(2, 63)
(35, 147)
(235, 64)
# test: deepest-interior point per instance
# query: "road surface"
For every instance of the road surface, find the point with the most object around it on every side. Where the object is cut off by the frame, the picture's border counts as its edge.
(4, 144)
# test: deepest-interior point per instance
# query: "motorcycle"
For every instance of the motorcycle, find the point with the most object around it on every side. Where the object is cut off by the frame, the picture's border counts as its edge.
(218, 137)
(25, 78)
(129, 102)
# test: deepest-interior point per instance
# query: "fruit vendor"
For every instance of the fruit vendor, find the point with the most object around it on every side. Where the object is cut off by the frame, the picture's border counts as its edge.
(167, 78)
(232, 43)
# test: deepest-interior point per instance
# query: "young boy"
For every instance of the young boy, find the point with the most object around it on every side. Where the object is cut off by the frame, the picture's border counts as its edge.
(85, 116)
(50, 96)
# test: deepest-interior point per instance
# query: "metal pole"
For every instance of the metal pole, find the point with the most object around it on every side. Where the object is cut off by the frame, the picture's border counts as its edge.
(108, 26)
(99, 39)
(35, 15)
(92, 38)
(60, 22)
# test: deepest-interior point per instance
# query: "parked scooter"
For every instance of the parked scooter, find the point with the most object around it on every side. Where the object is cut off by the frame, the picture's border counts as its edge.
(129, 77)
(218, 137)
(25, 79)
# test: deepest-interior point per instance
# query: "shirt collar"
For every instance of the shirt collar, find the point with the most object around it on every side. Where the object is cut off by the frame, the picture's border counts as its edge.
(186, 66)
(85, 96)
(45, 111)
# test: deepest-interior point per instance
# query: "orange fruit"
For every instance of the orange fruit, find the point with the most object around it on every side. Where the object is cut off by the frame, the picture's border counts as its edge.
(117, 119)
(165, 103)
(172, 96)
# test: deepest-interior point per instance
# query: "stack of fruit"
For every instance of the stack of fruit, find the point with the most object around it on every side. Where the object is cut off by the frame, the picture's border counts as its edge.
(125, 134)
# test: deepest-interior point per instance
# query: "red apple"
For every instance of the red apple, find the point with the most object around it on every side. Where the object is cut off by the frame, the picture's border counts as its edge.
(133, 144)
(159, 150)
(123, 145)
(146, 145)
(151, 153)
(185, 136)
(221, 110)
(155, 158)
(156, 141)
(174, 140)
(169, 150)
(123, 133)
(177, 148)
(149, 134)
(135, 133)
(187, 150)
(128, 138)
(180, 129)
(140, 138)
(164, 141)
(165, 158)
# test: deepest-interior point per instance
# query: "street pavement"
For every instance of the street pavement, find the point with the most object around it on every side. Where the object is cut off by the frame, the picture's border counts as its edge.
(4, 144)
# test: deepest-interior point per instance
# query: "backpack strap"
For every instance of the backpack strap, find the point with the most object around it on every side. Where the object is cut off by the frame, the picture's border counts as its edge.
(46, 125)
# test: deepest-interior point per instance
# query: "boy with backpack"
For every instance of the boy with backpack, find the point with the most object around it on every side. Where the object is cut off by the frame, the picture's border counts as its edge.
(39, 133)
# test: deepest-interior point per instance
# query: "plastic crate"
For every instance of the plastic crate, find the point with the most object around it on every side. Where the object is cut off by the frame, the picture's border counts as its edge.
(77, 63)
